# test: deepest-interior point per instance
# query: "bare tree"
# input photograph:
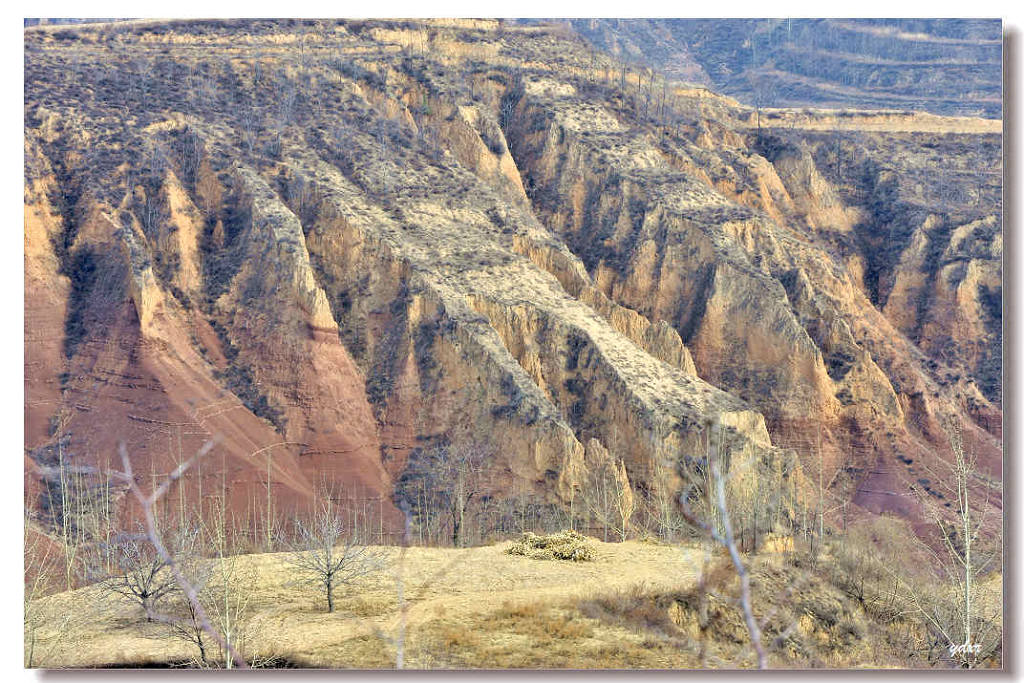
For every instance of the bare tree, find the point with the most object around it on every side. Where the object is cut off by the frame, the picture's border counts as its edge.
(964, 613)
(189, 628)
(185, 622)
(228, 596)
(140, 77)
(250, 122)
(191, 150)
(327, 554)
(144, 576)
(508, 108)
(386, 129)
(463, 468)
(79, 503)
(161, 562)
(607, 494)
(662, 501)
(150, 207)
(223, 586)
(41, 565)
(288, 96)
(443, 483)
(148, 505)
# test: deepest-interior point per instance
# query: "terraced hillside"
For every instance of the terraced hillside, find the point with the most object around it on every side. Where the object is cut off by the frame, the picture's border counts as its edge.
(944, 66)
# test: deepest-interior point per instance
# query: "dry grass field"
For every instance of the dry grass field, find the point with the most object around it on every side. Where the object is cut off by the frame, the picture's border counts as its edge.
(636, 605)
(504, 610)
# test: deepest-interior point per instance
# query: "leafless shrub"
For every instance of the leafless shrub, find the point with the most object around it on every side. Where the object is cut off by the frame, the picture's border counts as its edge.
(860, 567)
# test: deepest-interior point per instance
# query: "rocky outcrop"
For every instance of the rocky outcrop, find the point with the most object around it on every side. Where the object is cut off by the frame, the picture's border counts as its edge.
(474, 137)
(946, 293)
(543, 359)
(767, 311)
(47, 291)
(658, 339)
(278, 321)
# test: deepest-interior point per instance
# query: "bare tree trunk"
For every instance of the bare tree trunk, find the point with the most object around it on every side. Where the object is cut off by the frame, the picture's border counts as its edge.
(741, 570)
(402, 605)
(714, 487)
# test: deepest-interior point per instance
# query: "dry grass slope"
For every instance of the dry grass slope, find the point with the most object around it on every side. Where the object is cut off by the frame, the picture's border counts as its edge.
(635, 605)
(456, 597)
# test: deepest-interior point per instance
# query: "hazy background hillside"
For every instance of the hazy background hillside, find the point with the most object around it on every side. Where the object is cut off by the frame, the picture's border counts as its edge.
(944, 66)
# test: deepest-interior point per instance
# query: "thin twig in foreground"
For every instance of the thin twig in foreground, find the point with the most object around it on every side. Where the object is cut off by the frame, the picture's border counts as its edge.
(147, 503)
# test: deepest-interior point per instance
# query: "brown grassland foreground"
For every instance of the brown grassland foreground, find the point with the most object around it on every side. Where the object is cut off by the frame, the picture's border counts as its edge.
(638, 604)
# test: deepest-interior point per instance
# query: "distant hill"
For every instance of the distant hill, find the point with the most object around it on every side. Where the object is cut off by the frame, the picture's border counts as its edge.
(943, 66)
(50, 21)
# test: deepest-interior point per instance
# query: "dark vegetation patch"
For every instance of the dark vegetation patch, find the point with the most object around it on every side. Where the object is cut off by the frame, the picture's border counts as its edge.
(773, 147)
(838, 364)
(423, 347)
(238, 378)
(81, 270)
(514, 395)
(222, 259)
(392, 348)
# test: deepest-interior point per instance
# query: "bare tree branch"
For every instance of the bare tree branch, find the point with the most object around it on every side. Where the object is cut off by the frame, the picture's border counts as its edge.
(147, 504)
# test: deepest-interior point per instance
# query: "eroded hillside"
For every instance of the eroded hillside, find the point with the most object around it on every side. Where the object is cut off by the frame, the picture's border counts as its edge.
(335, 244)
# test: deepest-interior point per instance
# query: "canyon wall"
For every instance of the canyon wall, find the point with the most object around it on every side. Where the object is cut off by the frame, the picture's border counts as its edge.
(408, 235)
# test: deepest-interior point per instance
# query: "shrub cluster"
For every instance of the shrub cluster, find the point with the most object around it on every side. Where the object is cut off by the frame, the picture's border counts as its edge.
(564, 545)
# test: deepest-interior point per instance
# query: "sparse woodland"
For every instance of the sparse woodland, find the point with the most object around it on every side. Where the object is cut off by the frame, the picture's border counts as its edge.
(459, 344)
(780, 596)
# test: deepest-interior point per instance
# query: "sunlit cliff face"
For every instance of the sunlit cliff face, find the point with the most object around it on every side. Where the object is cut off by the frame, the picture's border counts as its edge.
(332, 245)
